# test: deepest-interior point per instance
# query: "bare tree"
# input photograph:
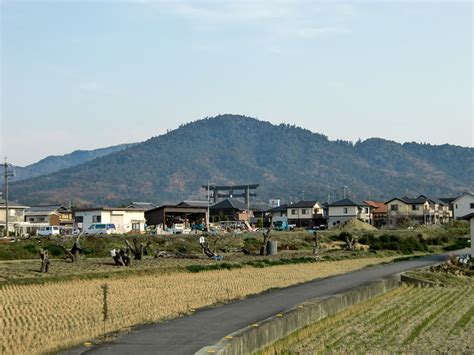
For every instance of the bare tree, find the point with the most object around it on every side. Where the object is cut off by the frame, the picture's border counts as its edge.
(316, 242)
(44, 255)
(266, 238)
(138, 249)
(75, 253)
(349, 239)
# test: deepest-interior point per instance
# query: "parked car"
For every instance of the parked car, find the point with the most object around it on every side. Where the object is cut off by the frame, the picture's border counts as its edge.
(48, 231)
(179, 228)
(100, 228)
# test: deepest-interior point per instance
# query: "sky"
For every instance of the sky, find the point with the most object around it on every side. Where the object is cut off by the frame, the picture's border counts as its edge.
(85, 74)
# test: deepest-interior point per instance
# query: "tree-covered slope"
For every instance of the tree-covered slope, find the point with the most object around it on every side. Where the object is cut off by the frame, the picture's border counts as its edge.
(228, 149)
(55, 163)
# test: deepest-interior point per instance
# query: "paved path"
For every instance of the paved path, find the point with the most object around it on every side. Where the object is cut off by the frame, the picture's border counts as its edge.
(188, 334)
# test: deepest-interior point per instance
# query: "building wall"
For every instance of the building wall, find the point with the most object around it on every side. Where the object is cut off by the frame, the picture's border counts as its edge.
(334, 221)
(15, 215)
(462, 206)
(297, 213)
(123, 220)
(352, 211)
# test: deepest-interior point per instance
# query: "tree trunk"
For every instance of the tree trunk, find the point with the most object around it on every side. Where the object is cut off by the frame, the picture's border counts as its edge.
(266, 237)
(44, 255)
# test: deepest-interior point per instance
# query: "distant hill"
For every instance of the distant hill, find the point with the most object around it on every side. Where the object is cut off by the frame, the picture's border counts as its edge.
(55, 163)
(285, 160)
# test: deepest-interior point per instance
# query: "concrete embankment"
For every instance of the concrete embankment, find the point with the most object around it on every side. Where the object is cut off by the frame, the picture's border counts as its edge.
(257, 336)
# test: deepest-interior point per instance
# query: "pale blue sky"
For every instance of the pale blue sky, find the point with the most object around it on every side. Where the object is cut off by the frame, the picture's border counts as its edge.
(82, 75)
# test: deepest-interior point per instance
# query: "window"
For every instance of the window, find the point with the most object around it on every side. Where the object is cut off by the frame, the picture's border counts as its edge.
(135, 226)
(472, 206)
(31, 219)
(79, 219)
(415, 207)
(304, 211)
(394, 207)
(294, 212)
(345, 209)
(96, 219)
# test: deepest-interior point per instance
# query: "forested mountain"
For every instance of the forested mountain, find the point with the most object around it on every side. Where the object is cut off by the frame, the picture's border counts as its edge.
(55, 163)
(285, 160)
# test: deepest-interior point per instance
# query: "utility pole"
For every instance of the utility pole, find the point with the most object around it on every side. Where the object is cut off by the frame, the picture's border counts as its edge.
(208, 207)
(7, 173)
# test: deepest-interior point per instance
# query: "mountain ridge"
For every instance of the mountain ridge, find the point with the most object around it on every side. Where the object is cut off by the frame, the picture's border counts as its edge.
(230, 149)
(54, 163)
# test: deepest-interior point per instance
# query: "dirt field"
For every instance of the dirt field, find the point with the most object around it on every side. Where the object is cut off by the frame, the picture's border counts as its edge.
(40, 318)
(406, 320)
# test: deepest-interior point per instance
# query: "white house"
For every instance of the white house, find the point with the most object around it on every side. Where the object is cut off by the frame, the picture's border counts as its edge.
(125, 219)
(463, 205)
(16, 216)
(305, 214)
(346, 209)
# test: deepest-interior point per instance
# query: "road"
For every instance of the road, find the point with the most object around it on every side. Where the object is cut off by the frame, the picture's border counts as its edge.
(188, 334)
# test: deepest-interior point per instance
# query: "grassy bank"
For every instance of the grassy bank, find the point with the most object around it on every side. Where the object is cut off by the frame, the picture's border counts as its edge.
(406, 320)
(450, 237)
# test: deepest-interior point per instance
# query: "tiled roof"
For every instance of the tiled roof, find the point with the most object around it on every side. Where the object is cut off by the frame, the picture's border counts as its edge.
(379, 207)
(142, 205)
(230, 203)
(303, 204)
(281, 208)
(346, 202)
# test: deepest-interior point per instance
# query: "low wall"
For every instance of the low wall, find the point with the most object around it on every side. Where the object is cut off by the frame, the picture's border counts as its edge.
(258, 336)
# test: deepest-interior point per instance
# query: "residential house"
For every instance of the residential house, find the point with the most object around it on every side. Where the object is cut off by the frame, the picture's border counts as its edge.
(230, 209)
(379, 213)
(305, 214)
(420, 210)
(16, 217)
(49, 215)
(463, 205)
(279, 211)
(343, 210)
(125, 219)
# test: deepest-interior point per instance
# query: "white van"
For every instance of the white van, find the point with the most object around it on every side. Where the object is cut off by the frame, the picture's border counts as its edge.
(100, 228)
(49, 230)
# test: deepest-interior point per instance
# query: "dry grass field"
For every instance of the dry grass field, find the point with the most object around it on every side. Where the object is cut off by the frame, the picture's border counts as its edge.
(41, 318)
(405, 320)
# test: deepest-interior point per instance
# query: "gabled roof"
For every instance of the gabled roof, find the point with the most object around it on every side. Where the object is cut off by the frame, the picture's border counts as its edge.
(11, 204)
(191, 203)
(464, 194)
(409, 201)
(437, 201)
(142, 205)
(281, 208)
(47, 209)
(447, 200)
(379, 207)
(304, 204)
(260, 207)
(346, 202)
(468, 216)
(125, 209)
(230, 203)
